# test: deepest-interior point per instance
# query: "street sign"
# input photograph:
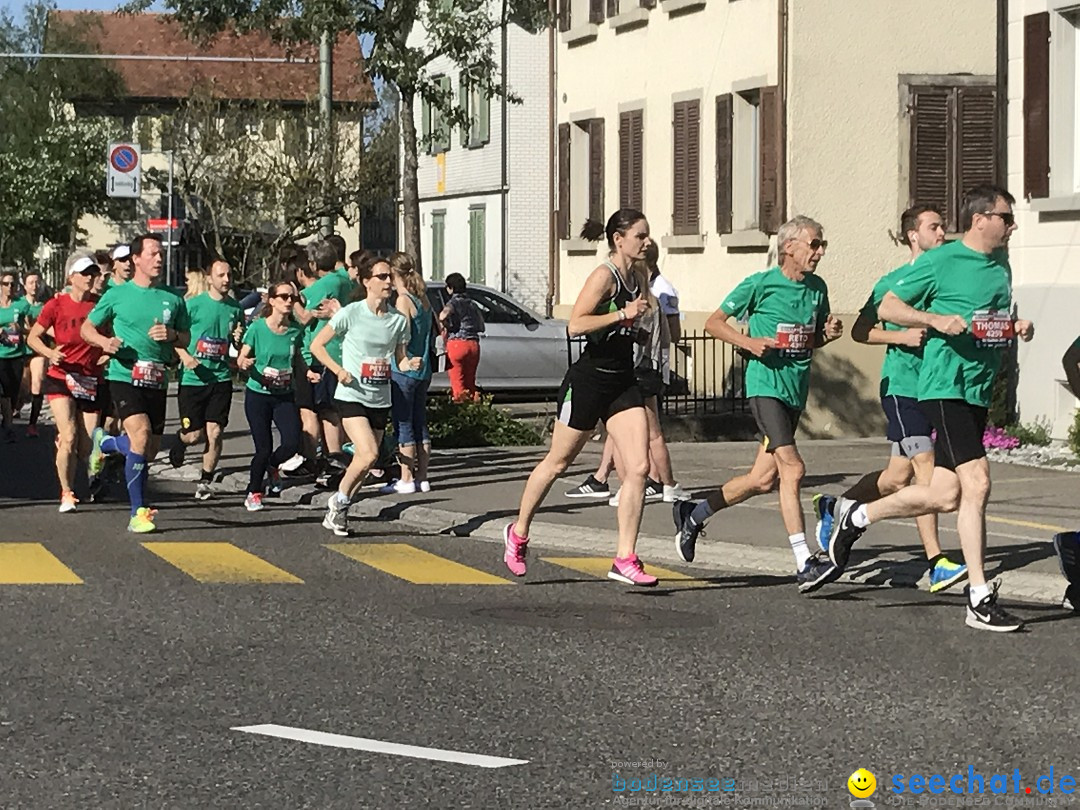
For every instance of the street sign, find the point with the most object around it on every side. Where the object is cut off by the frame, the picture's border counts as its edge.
(123, 169)
(172, 235)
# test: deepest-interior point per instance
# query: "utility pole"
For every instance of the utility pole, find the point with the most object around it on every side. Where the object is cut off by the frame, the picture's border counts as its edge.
(326, 113)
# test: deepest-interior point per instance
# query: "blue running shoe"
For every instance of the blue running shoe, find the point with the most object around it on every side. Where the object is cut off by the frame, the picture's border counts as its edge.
(824, 506)
(818, 571)
(946, 573)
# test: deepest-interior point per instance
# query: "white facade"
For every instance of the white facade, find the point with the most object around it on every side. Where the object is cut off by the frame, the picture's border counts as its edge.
(463, 189)
(1045, 250)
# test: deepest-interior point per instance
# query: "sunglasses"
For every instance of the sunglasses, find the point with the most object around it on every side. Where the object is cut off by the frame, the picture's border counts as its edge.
(381, 276)
(287, 297)
(1008, 219)
(91, 273)
(818, 243)
(7, 283)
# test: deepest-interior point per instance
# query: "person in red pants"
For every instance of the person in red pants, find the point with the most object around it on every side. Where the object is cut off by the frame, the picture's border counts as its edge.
(463, 323)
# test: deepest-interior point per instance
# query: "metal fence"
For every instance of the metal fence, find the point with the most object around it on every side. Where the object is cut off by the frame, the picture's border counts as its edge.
(706, 375)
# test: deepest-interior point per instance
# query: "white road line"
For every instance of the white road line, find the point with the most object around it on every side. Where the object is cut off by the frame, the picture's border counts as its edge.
(378, 746)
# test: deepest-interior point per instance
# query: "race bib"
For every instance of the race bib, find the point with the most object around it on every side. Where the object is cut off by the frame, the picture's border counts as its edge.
(276, 378)
(375, 371)
(148, 374)
(992, 328)
(211, 348)
(795, 340)
(81, 386)
(12, 335)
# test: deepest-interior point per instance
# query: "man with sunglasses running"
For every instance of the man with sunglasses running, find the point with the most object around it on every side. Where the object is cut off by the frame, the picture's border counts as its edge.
(963, 292)
(789, 314)
(922, 228)
(148, 321)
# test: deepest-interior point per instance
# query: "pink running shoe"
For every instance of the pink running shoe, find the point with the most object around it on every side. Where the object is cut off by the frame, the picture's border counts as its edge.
(516, 549)
(631, 571)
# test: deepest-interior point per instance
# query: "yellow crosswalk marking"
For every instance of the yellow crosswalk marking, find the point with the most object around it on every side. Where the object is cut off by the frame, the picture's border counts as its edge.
(220, 563)
(415, 565)
(33, 564)
(599, 567)
(1028, 524)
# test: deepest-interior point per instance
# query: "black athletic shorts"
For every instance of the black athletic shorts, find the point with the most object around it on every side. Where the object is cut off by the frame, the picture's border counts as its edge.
(588, 396)
(906, 419)
(324, 391)
(52, 387)
(131, 401)
(11, 371)
(776, 420)
(959, 427)
(378, 417)
(305, 392)
(104, 398)
(200, 404)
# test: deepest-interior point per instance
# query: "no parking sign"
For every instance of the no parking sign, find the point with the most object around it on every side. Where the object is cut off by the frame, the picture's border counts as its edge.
(123, 170)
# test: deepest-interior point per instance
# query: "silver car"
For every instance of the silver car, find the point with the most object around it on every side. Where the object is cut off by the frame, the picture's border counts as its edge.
(519, 350)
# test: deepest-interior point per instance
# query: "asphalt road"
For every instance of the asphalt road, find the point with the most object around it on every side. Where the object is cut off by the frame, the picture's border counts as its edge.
(124, 691)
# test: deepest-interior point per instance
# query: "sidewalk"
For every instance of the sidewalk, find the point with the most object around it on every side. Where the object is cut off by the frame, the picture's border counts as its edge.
(475, 492)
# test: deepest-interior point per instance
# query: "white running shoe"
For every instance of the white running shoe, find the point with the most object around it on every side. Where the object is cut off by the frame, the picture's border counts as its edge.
(291, 464)
(675, 493)
(425, 486)
(399, 488)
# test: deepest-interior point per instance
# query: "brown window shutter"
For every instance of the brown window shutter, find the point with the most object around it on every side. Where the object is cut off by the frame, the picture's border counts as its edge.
(1037, 105)
(976, 138)
(724, 123)
(770, 145)
(648, 3)
(612, 8)
(563, 221)
(596, 11)
(564, 15)
(630, 159)
(686, 139)
(596, 169)
(932, 171)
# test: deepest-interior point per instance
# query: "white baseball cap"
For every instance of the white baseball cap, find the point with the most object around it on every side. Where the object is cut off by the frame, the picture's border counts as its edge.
(82, 265)
(120, 252)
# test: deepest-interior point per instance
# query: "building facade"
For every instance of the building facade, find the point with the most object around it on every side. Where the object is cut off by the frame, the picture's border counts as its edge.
(485, 190)
(720, 119)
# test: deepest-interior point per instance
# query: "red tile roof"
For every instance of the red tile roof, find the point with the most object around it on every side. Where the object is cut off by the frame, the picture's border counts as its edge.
(157, 34)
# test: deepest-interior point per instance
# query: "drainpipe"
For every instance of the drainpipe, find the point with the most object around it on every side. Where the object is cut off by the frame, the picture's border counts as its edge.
(553, 242)
(505, 144)
(781, 92)
(1002, 108)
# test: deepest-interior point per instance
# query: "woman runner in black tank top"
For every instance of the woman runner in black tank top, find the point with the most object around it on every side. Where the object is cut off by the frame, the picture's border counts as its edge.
(600, 386)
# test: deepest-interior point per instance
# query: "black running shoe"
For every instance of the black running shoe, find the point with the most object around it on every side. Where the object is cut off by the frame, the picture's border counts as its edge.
(987, 615)
(591, 488)
(654, 490)
(844, 532)
(176, 453)
(818, 571)
(688, 531)
(1071, 600)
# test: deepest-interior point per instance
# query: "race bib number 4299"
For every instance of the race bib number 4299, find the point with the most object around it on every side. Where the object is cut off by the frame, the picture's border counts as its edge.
(992, 328)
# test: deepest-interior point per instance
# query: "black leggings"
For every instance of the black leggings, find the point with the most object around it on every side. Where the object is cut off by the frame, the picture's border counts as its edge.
(262, 410)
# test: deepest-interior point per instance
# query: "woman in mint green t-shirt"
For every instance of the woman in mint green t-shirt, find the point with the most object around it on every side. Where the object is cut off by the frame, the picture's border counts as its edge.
(14, 320)
(269, 354)
(374, 339)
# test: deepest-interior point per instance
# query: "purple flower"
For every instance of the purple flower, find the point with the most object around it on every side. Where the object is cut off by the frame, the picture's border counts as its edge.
(996, 438)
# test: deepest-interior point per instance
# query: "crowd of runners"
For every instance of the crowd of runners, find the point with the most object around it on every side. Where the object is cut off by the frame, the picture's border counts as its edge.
(340, 346)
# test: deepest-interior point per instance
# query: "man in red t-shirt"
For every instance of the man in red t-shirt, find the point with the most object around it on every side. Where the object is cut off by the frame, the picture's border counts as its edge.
(75, 371)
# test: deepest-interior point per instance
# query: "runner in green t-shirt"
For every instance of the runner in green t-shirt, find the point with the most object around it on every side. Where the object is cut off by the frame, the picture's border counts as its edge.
(963, 292)
(205, 395)
(271, 355)
(922, 228)
(14, 324)
(147, 323)
(374, 338)
(34, 374)
(789, 317)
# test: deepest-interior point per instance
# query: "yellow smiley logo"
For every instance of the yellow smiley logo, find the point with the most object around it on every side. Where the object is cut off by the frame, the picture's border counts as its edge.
(862, 784)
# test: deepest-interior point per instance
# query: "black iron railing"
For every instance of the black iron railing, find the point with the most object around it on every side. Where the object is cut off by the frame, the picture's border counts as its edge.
(706, 375)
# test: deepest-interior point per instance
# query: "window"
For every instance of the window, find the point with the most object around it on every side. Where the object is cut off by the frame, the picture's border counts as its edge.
(496, 309)
(295, 137)
(434, 125)
(146, 133)
(581, 174)
(477, 105)
(166, 132)
(631, 151)
(748, 145)
(477, 244)
(953, 143)
(686, 141)
(438, 244)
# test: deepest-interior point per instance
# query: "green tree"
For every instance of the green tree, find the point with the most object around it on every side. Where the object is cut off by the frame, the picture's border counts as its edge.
(459, 30)
(52, 164)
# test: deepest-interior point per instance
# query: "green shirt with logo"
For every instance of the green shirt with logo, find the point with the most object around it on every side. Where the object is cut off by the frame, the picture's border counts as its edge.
(793, 313)
(900, 369)
(273, 354)
(332, 285)
(956, 280)
(14, 320)
(131, 310)
(212, 325)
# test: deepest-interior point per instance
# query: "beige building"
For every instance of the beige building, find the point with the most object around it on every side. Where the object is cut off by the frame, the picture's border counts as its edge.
(1044, 174)
(722, 118)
